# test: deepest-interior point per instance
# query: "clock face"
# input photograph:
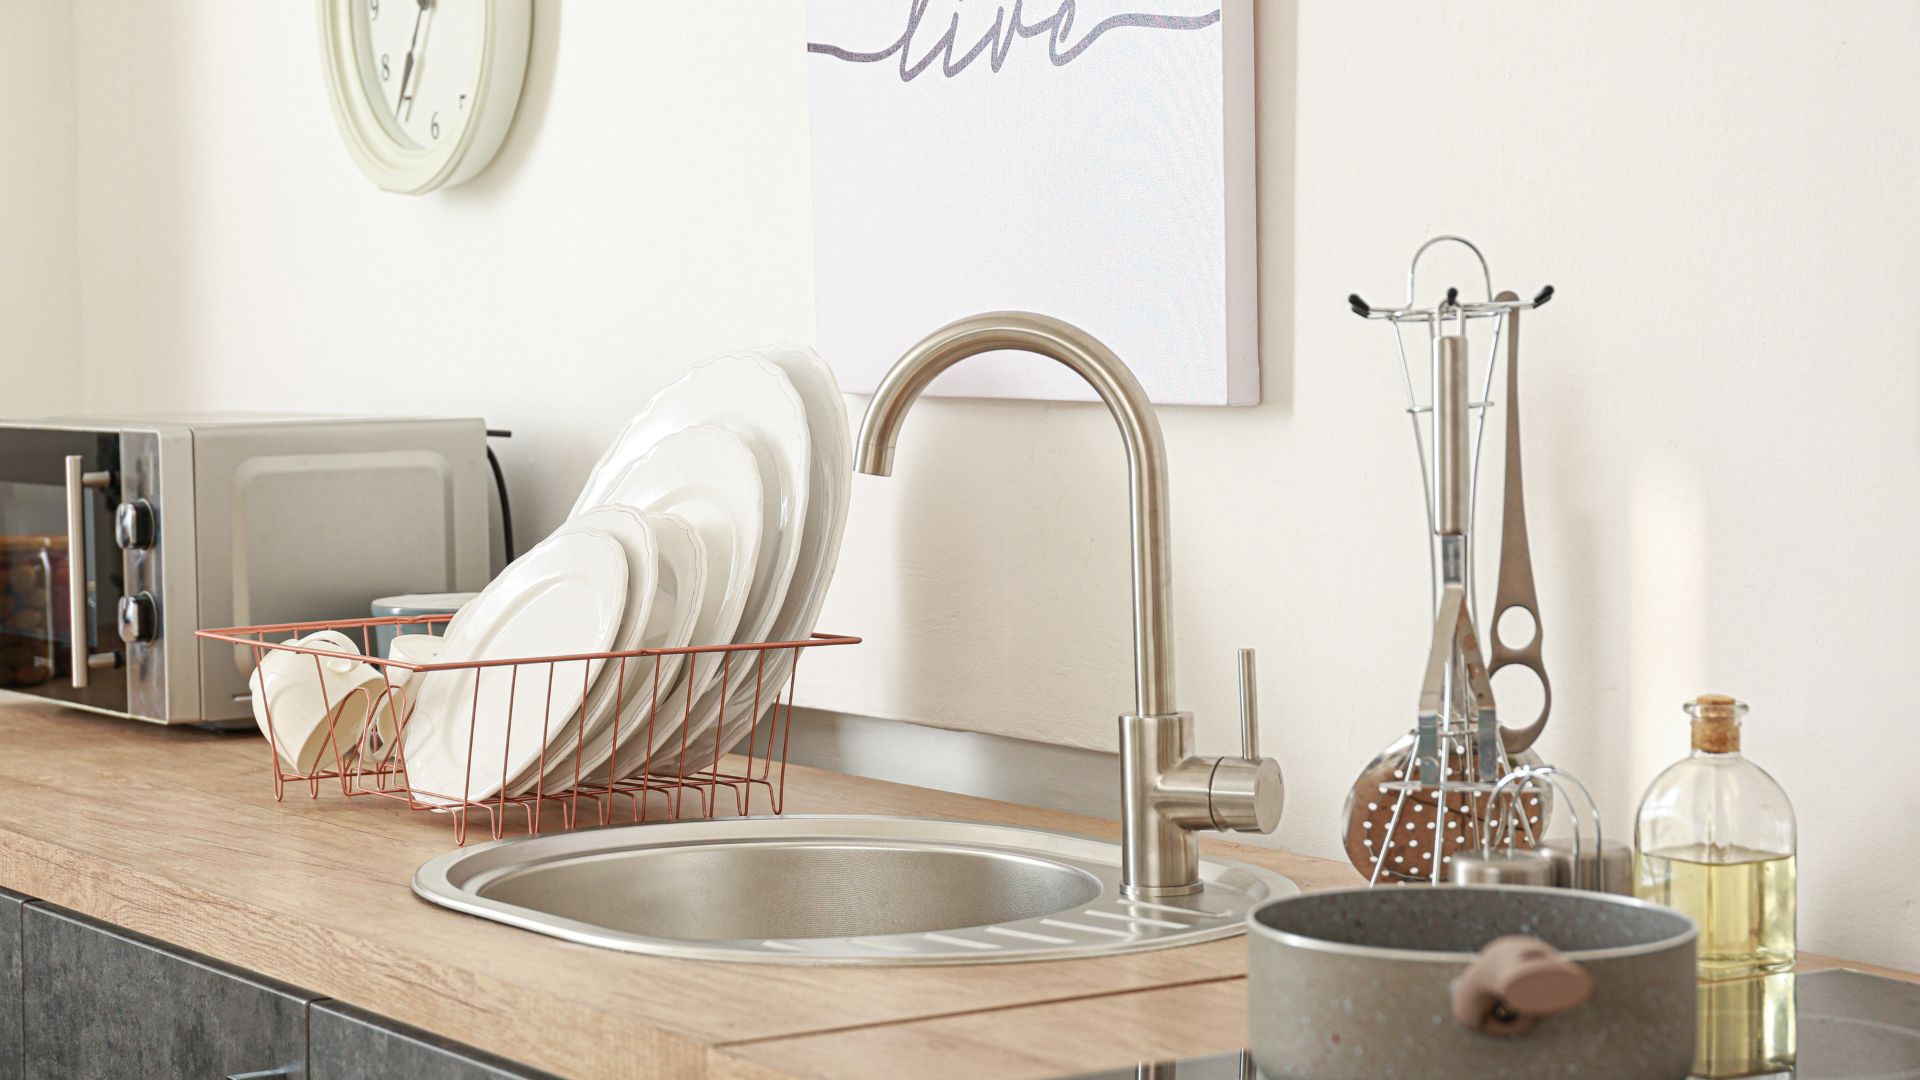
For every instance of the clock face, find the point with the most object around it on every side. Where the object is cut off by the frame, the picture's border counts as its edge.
(424, 90)
(421, 63)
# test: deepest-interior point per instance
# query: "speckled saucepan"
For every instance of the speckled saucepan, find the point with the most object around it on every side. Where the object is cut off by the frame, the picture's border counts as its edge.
(1489, 982)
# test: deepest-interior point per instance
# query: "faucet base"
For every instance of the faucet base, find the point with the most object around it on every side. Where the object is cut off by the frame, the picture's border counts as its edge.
(1149, 892)
(1163, 798)
(1167, 794)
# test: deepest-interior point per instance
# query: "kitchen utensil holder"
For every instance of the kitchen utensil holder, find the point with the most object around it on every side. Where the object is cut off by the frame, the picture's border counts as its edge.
(1464, 747)
(376, 767)
(1451, 309)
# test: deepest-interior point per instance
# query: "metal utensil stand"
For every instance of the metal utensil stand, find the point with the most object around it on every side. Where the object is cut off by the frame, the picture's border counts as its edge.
(661, 758)
(1459, 757)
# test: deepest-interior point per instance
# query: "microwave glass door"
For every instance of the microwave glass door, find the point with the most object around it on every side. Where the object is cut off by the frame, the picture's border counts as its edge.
(38, 567)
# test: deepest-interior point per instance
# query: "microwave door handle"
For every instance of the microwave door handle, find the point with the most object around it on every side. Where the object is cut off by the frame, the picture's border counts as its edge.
(78, 481)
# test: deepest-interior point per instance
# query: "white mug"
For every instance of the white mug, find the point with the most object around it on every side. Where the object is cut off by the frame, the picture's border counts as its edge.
(394, 707)
(412, 649)
(299, 699)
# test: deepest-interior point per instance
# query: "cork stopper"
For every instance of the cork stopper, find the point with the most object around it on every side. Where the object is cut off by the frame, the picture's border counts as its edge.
(1716, 723)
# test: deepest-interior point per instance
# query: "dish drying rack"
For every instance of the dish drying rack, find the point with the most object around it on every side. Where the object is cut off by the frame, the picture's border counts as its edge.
(374, 765)
(1460, 759)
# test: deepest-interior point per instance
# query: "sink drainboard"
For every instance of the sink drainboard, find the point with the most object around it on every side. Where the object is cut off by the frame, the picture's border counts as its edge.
(836, 890)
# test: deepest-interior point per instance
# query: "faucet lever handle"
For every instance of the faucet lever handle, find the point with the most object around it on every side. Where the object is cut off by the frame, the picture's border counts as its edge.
(1249, 708)
(1246, 794)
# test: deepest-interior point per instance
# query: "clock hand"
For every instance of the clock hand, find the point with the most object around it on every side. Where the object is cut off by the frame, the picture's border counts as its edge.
(406, 70)
(420, 58)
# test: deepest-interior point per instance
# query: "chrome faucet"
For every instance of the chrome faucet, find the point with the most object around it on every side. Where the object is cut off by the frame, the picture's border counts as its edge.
(1167, 793)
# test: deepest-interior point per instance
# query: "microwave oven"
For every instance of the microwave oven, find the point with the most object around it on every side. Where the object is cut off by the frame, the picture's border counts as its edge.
(119, 537)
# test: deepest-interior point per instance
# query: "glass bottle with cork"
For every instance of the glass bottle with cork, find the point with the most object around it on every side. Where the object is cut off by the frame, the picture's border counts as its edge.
(1715, 841)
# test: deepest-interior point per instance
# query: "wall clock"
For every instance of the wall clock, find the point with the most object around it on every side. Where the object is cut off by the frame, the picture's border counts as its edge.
(424, 90)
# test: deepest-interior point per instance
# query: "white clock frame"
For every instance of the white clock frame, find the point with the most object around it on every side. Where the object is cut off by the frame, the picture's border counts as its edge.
(390, 160)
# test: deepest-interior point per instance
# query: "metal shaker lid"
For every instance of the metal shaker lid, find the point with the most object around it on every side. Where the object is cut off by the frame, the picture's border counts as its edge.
(1610, 869)
(1500, 868)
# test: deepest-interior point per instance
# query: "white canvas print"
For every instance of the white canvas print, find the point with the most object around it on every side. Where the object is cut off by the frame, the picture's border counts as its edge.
(1090, 160)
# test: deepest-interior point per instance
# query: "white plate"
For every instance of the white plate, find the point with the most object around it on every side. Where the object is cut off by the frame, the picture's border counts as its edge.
(830, 488)
(562, 598)
(707, 476)
(650, 681)
(755, 400)
(635, 536)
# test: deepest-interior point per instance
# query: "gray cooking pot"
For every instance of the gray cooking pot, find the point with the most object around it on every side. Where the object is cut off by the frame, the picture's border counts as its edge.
(1489, 982)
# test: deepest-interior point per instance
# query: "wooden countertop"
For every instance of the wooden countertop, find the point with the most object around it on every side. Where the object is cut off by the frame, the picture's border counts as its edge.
(174, 833)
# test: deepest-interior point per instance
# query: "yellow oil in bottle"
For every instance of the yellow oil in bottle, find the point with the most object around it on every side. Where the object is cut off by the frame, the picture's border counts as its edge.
(1742, 899)
(1746, 1028)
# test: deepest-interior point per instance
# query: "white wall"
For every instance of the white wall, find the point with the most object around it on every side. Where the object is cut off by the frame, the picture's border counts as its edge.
(1724, 402)
(39, 284)
(641, 214)
(1723, 444)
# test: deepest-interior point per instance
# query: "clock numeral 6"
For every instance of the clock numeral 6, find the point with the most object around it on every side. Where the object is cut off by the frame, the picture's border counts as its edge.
(386, 69)
(433, 127)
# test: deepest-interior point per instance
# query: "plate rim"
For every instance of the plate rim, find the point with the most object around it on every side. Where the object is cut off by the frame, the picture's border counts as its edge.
(426, 721)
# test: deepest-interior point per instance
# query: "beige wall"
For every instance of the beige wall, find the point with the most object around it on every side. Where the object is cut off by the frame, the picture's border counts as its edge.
(1724, 403)
(39, 286)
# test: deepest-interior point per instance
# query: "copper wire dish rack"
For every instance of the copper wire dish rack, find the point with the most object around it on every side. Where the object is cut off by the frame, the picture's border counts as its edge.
(374, 762)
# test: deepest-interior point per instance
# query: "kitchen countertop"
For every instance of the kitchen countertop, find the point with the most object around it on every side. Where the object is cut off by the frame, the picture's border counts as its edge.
(174, 833)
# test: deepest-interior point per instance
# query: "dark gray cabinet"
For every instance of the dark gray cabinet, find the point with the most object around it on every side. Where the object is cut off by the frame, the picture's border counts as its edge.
(82, 999)
(12, 1041)
(103, 1003)
(345, 1043)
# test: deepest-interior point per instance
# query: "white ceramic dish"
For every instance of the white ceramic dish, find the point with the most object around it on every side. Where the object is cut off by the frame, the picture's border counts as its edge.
(650, 681)
(306, 696)
(830, 489)
(562, 598)
(708, 477)
(629, 527)
(412, 649)
(754, 399)
(431, 603)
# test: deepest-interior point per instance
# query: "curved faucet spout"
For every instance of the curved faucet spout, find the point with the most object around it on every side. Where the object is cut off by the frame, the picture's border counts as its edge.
(1166, 792)
(1023, 331)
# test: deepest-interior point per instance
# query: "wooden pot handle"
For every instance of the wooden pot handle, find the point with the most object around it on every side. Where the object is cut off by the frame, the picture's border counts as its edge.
(1514, 983)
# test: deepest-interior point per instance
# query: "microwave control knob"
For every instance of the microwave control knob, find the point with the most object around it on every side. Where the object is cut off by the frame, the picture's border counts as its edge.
(139, 618)
(133, 525)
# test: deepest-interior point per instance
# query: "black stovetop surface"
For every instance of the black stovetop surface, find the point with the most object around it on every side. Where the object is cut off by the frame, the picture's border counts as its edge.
(1850, 1026)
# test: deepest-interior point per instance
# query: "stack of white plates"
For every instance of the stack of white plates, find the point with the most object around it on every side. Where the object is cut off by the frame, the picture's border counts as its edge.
(714, 518)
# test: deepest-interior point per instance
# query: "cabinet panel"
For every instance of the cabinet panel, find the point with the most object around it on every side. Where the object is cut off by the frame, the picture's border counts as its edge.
(104, 1003)
(12, 1047)
(353, 1044)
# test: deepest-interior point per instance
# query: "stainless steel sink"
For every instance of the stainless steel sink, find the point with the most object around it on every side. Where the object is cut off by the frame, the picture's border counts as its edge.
(837, 890)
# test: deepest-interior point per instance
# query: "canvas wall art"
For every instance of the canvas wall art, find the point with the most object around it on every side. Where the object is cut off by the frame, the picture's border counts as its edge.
(1091, 160)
